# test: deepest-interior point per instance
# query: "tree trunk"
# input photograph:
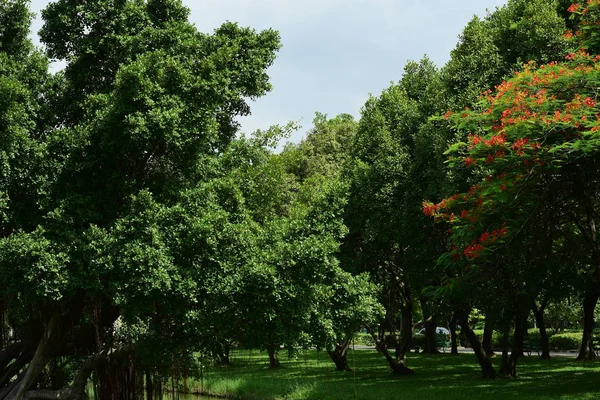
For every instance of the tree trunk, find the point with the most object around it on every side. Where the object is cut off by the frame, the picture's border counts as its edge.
(586, 353)
(158, 393)
(541, 324)
(487, 368)
(398, 366)
(403, 345)
(273, 359)
(517, 345)
(488, 332)
(453, 339)
(339, 356)
(3, 338)
(76, 391)
(504, 363)
(149, 386)
(430, 336)
(12, 360)
(40, 359)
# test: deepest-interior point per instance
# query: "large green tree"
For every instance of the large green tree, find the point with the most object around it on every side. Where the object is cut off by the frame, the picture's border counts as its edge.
(144, 105)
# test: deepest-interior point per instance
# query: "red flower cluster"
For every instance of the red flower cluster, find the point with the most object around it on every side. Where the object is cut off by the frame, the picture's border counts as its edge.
(497, 140)
(474, 140)
(589, 102)
(429, 208)
(473, 251)
(487, 238)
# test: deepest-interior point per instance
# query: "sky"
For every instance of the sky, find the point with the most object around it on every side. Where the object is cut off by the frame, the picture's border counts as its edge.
(336, 52)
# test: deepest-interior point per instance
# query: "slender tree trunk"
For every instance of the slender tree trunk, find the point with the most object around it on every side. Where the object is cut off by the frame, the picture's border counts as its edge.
(504, 363)
(403, 345)
(398, 363)
(339, 356)
(541, 324)
(454, 347)
(221, 354)
(517, 345)
(158, 393)
(398, 366)
(487, 368)
(149, 386)
(430, 336)
(488, 332)
(590, 300)
(273, 359)
(3, 338)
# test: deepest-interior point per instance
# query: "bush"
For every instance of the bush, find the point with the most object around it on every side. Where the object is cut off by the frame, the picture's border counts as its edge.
(364, 339)
(565, 341)
(418, 340)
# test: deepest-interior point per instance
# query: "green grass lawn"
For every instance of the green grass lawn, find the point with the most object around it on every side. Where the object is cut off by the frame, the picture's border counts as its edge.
(312, 376)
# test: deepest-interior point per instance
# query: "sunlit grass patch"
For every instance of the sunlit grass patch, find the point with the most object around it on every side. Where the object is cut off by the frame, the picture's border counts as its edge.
(312, 376)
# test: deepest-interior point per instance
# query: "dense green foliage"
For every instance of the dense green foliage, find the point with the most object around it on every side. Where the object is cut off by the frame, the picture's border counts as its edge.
(142, 234)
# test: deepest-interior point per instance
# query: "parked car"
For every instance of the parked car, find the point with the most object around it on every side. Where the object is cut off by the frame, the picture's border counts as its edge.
(439, 330)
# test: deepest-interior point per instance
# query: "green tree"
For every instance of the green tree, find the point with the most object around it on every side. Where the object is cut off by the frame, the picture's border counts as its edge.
(144, 107)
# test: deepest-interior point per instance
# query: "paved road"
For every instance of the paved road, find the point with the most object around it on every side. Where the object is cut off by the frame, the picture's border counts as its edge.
(464, 350)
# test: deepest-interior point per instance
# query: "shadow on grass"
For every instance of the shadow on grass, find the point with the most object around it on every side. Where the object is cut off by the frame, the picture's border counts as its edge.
(312, 376)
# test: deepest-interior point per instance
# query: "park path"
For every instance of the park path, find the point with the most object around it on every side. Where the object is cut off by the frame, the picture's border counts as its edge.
(466, 350)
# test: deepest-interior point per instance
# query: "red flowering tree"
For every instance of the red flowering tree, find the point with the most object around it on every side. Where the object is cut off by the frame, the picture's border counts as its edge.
(531, 153)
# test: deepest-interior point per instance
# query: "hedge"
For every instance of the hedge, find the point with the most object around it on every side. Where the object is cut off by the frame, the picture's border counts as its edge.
(364, 339)
(565, 341)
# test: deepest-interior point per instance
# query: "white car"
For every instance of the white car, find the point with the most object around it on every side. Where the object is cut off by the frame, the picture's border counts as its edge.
(439, 330)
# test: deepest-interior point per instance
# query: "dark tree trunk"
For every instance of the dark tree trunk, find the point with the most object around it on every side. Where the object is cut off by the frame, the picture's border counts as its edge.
(398, 366)
(488, 332)
(149, 386)
(43, 354)
(521, 338)
(517, 345)
(226, 360)
(453, 339)
(541, 324)
(339, 356)
(3, 338)
(487, 368)
(12, 360)
(75, 391)
(403, 345)
(221, 355)
(504, 363)
(586, 353)
(430, 336)
(158, 392)
(273, 359)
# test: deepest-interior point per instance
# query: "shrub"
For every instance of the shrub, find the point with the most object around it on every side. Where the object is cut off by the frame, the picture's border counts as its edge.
(565, 341)
(418, 340)
(364, 339)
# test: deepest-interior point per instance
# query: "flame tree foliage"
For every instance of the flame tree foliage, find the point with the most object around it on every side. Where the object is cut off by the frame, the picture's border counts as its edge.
(531, 156)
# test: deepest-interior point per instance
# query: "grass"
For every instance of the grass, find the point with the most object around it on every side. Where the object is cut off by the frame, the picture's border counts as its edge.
(312, 376)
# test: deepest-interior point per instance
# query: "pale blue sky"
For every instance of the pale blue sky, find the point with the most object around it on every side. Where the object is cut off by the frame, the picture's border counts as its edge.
(336, 52)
